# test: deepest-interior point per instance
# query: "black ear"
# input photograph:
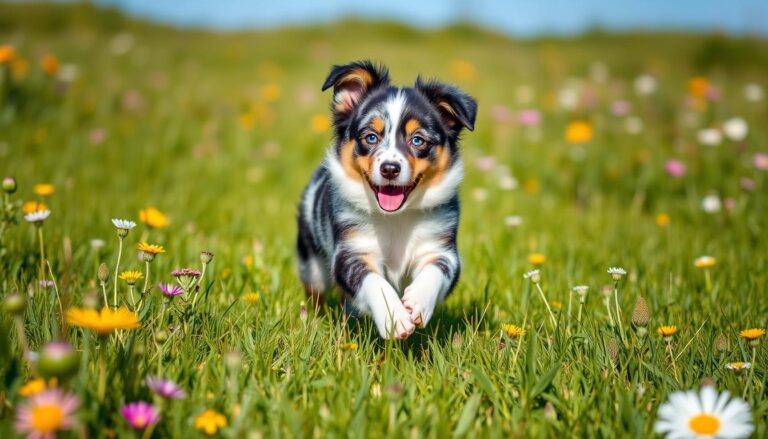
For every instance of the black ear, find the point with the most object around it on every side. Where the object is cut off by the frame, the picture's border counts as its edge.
(457, 109)
(352, 82)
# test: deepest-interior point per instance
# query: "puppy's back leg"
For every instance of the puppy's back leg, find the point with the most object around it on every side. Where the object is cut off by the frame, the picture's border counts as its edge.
(313, 269)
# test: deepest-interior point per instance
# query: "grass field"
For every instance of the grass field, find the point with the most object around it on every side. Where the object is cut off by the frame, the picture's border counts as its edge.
(221, 131)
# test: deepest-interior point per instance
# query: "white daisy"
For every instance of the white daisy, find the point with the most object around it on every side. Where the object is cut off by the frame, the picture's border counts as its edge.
(704, 415)
(513, 221)
(754, 92)
(123, 224)
(711, 203)
(616, 272)
(533, 275)
(37, 217)
(738, 366)
(645, 85)
(736, 129)
(580, 289)
(710, 136)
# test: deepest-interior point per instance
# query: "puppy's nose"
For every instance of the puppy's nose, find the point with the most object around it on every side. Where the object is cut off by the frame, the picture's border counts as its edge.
(390, 170)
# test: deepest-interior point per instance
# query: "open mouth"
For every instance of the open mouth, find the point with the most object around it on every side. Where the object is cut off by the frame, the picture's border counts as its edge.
(392, 197)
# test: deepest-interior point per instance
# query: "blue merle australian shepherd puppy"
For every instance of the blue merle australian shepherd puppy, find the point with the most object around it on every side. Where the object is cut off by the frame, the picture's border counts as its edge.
(379, 217)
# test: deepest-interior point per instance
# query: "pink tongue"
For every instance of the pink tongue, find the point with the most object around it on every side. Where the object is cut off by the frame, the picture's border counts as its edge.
(391, 197)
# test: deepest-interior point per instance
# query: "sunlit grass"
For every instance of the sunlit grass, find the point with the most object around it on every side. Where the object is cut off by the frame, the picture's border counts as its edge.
(213, 136)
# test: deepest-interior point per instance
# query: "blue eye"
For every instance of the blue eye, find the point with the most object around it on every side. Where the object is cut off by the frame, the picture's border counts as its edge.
(371, 139)
(417, 141)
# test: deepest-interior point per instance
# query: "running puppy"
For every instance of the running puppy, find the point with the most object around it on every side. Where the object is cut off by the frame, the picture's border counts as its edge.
(382, 210)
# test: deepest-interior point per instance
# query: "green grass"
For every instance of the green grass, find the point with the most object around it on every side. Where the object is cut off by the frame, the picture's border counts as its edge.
(233, 191)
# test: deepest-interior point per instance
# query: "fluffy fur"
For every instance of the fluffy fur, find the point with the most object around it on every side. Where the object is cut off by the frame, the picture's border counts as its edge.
(379, 216)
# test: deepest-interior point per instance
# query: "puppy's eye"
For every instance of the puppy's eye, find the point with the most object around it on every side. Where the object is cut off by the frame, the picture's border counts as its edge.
(372, 139)
(418, 141)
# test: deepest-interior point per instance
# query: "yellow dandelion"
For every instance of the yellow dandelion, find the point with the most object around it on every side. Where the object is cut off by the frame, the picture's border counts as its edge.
(43, 189)
(513, 331)
(556, 304)
(351, 346)
(536, 258)
(7, 54)
(32, 387)
(33, 206)
(320, 123)
(578, 132)
(50, 64)
(131, 276)
(531, 186)
(667, 331)
(705, 262)
(270, 93)
(210, 421)
(151, 248)
(662, 219)
(698, 86)
(246, 120)
(752, 334)
(103, 322)
(153, 218)
(252, 298)
(463, 70)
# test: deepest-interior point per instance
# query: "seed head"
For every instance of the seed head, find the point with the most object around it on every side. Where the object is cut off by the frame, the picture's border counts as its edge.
(721, 344)
(613, 352)
(641, 315)
(103, 273)
(206, 257)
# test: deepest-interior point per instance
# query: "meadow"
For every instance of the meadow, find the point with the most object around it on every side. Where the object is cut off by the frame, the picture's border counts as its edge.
(647, 152)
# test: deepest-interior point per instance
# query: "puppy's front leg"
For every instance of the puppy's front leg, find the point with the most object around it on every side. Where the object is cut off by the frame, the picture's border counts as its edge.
(372, 294)
(429, 287)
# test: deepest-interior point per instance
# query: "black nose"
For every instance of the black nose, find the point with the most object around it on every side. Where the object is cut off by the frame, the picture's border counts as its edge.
(390, 170)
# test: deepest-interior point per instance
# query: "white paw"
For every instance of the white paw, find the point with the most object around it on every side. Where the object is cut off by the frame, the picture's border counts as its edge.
(378, 298)
(418, 306)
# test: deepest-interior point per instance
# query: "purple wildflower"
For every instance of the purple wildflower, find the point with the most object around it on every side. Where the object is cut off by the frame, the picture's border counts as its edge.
(140, 415)
(165, 388)
(170, 290)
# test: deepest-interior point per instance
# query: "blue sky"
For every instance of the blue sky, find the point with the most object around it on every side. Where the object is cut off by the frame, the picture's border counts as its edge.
(514, 17)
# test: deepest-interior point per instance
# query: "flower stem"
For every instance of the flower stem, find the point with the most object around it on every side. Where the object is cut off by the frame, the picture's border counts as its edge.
(672, 357)
(102, 368)
(42, 252)
(544, 298)
(607, 303)
(751, 372)
(23, 342)
(618, 312)
(104, 292)
(146, 279)
(117, 270)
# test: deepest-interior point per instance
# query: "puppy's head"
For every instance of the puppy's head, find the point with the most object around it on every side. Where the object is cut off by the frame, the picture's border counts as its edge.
(396, 147)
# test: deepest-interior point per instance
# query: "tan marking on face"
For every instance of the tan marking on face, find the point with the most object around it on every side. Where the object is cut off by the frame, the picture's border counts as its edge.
(432, 171)
(348, 161)
(411, 126)
(377, 124)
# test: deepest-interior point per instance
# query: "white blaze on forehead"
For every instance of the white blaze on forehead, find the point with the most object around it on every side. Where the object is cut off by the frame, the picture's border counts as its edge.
(387, 151)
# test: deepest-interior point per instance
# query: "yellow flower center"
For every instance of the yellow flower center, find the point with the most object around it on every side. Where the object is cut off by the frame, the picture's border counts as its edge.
(704, 424)
(47, 418)
(140, 421)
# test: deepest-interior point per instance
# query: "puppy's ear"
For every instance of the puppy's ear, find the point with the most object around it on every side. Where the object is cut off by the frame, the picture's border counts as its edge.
(351, 83)
(457, 109)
